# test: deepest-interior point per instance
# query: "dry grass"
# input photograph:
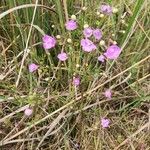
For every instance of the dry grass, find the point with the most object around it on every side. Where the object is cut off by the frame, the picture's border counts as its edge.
(65, 118)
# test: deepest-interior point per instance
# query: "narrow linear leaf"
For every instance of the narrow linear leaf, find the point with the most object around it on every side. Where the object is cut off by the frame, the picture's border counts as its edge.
(132, 22)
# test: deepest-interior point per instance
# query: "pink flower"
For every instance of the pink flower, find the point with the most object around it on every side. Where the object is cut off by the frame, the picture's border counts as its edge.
(62, 56)
(106, 9)
(108, 93)
(101, 58)
(76, 81)
(33, 67)
(71, 25)
(87, 45)
(87, 32)
(105, 122)
(28, 111)
(97, 34)
(113, 52)
(48, 42)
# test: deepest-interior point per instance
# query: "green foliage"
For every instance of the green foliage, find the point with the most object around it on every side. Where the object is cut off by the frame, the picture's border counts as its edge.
(49, 90)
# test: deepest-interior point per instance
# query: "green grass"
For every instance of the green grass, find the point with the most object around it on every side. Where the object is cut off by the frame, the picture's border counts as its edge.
(64, 117)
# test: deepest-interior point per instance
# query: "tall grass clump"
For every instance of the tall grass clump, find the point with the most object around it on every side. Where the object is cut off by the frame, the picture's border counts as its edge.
(74, 75)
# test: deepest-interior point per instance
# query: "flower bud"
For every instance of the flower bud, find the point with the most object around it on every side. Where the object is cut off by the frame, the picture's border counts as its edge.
(102, 42)
(86, 25)
(73, 17)
(115, 10)
(53, 26)
(58, 36)
(84, 8)
(77, 65)
(101, 15)
(98, 13)
(69, 40)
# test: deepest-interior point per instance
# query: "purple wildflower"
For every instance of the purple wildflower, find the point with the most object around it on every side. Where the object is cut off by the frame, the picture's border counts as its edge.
(62, 56)
(76, 81)
(28, 111)
(113, 52)
(106, 9)
(97, 34)
(101, 58)
(71, 25)
(105, 122)
(87, 32)
(108, 93)
(87, 45)
(48, 42)
(33, 67)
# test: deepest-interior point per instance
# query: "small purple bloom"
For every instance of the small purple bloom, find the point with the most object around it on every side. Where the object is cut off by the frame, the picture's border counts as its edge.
(97, 34)
(71, 25)
(62, 56)
(113, 52)
(76, 81)
(101, 58)
(87, 32)
(48, 42)
(87, 45)
(106, 9)
(105, 122)
(108, 94)
(33, 67)
(28, 111)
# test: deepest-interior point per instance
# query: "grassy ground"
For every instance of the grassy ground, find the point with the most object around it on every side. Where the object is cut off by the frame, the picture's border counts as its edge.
(64, 117)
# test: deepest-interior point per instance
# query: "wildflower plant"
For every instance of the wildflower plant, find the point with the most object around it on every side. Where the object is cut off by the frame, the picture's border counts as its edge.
(79, 44)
